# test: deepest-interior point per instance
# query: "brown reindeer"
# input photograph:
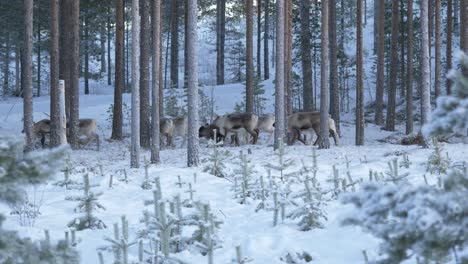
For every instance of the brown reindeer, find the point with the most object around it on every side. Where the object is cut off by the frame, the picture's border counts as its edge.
(87, 128)
(303, 121)
(40, 130)
(208, 131)
(233, 122)
(173, 127)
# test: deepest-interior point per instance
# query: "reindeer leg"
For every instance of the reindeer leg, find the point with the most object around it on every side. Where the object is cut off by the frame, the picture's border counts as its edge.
(43, 140)
(317, 132)
(335, 137)
(98, 144)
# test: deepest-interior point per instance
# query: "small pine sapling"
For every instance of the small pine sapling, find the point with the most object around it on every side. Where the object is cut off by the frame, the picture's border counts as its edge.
(393, 174)
(336, 180)
(239, 258)
(310, 211)
(146, 184)
(216, 163)
(437, 162)
(67, 182)
(297, 258)
(283, 162)
(120, 244)
(243, 175)
(406, 162)
(88, 204)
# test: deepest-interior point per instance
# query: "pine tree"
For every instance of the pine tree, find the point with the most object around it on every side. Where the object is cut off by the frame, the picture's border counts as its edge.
(425, 67)
(220, 40)
(306, 59)
(119, 71)
(280, 128)
(155, 82)
(438, 43)
(391, 102)
(409, 67)
(324, 143)
(379, 97)
(359, 79)
(144, 74)
(249, 51)
(193, 142)
(266, 38)
(26, 74)
(259, 39)
(174, 43)
(74, 73)
(334, 89)
(135, 141)
(448, 53)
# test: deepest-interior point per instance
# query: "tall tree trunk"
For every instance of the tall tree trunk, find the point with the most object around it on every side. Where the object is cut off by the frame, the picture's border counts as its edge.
(155, 82)
(144, 75)
(402, 86)
(437, 48)
(193, 147)
(127, 84)
(425, 68)
(391, 105)
(464, 30)
(380, 86)
(161, 84)
(109, 61)
(288, 58)
(175, 44)
(266, 36)
(306, 59)
(249, 86)
(6, 69)
(185, 44)
(448, 54)
(259, 39)
(102, 42)
(334, 89)
(409, 81)
(74, 73)
(324, 143)
(376, 28)
(38, 79)
(57, 133)
(86, 52)
(135, 140)
(359, 79)
(18, 71)
(117, 115)
(26, 76)
(220, 40)
(64, 54)
(280, 128)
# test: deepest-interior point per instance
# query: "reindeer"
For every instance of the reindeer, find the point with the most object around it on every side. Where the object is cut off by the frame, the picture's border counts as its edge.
(208, 131)
(303, 121)
(87, 128)
(41, 129)
(233, 122)
(265, 124)
(173, 127)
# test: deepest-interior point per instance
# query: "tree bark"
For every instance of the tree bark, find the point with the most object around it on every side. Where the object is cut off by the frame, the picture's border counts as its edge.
(220, 40)
(193, 147)
(409, 81)
(288, 58)
(26, 76)
(464, 31)
(425, 68)
(324, 142)
(6, 69)
(74, 74)
(64, 48)
(380, 86)
(391, 102)
(18, 72)
(109, 61)
(135, 140)
(438, 44)
(266, 36)
(280, 128)
(155, 83)
(175, 44)
(359, 79)
(249, 86)
(259, 39)
(334, 89)
(117, 116)
(161, 83)
(448, 54)
(144, 75)
(102, 42)
(185, 44)
(57, 131)
(86, 52)
(307, 89)
(39, 62)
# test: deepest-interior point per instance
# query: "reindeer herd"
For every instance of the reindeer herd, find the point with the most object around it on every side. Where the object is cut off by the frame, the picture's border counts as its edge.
(235, 125)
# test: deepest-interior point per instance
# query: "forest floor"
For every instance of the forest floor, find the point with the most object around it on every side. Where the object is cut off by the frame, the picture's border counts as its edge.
(242, 224)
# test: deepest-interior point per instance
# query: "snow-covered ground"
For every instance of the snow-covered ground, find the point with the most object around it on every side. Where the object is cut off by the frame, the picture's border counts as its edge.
(253, 231)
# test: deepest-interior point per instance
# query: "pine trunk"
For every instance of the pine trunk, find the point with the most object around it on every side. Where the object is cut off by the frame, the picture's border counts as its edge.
(135, 140)
(57, 131)
(307, 89)
(334, 89)
(391, 102)
(193, 147)
(259, 39)
(380, 86)
(359, 79)
(185, 44)
(288, 58)
(144, 75)
(6, 69)
(18, 71)
(155, 82)
(26, 75)
(109, 61)
(409, 81)
(39, 62)
(324, 142)
(220, 40)
(64, 48)
(438, 43)
(280, 128)
(74, 74)
(266, 36)
(448, 54)
(117, 115)
(175, 44)
(102, 42)
(464, 30)
(86, 52)
(249, 86)
(425, 68)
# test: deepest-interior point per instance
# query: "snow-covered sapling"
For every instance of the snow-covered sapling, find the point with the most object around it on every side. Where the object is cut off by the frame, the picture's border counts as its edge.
(67, 182)
(309, 211)
(146, 184)
(216, 163)
(283, 162)
(406, 162)
(243, 176)
(120, 244)
(437, 162)
(336, 180)
(393, 174)
(88, 204)
(239, 258)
